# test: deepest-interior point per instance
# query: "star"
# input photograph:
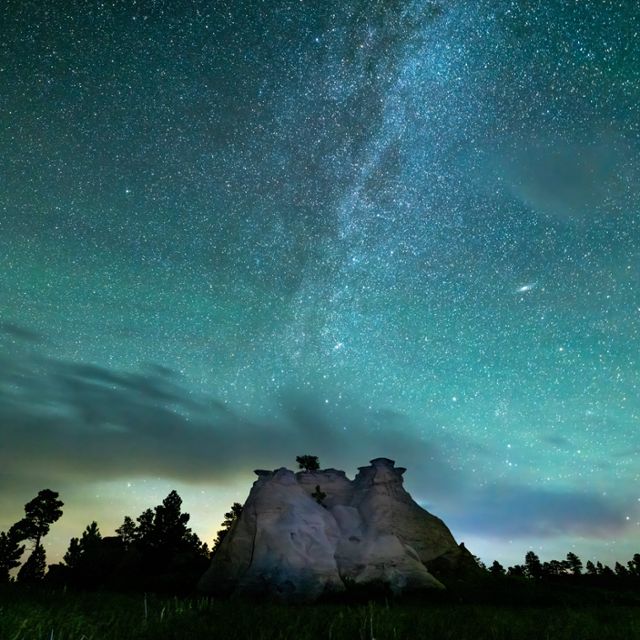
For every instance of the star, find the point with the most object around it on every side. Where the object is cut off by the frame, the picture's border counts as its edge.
(411, 223)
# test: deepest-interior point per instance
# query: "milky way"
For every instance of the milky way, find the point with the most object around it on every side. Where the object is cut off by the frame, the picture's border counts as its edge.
(233, 232)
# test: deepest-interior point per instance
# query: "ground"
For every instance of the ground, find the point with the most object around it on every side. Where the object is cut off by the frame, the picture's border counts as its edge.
(66, 615)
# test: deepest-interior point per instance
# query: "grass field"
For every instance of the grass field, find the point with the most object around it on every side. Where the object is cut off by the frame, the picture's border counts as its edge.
(59, 615)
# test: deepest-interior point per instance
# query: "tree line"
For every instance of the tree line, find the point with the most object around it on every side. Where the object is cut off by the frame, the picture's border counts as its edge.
(157, 551)
(569, 570)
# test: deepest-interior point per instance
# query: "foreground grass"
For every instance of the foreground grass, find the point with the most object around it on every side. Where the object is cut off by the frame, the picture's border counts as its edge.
(56, 615)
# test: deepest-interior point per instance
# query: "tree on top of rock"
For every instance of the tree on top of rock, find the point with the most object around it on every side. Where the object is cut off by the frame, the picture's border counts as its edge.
(318, 495)
(308, 463)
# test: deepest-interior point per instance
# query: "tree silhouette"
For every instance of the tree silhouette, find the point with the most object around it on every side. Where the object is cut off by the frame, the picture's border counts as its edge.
(554, 568)
(144, 532)
(10, 553)
(496, 569)
(91, 561)
(127, 532)
(574, 563)
(163, 530)
(318, 495)
(308, 463)
(533, 565)
(169, 553)
(159, 552)
(562, 574)
(229, 518)
(40, 514)
(33, 569)
(170, 524)
(517, 571)
(81, 549)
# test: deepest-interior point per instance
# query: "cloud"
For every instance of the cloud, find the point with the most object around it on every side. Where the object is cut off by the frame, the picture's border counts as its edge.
(573, 178)
(80, 421)
(66, 422)
(561, 442)
(20, 333)
(513, 511)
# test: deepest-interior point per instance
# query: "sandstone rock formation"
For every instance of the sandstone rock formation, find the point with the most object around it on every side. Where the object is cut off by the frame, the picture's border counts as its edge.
(368, 531)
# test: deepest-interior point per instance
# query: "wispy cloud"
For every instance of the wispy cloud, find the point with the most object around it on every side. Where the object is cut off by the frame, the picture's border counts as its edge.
(512, 511)
(72, 422)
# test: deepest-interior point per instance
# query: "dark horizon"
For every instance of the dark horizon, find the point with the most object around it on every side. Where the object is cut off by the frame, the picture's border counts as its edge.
(575, 565)
(55, 545)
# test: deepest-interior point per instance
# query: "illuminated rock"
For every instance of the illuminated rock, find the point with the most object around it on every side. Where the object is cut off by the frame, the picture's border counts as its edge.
(365, 532)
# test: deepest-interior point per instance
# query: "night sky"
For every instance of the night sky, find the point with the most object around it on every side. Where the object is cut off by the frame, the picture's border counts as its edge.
(233, 232)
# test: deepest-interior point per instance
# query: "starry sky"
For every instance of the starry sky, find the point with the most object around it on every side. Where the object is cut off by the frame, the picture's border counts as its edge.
(236, 231)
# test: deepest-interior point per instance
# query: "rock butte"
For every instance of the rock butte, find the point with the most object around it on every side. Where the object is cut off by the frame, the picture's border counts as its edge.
(367, 531)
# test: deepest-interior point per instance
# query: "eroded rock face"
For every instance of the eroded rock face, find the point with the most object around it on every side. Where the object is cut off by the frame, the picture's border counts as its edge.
(366, 531)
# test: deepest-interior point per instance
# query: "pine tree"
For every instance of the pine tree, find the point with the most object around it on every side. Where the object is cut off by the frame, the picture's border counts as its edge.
(634, 565)
(73, 555)
(10, 554)
(318, 495)
(33, 569)
(170, 524)
(229, 519)
(553, 568)
(163, 529)
(574, 563)
(308, 463)
(80, 549)
(40, 514)
(144, 532)
(127, 532)
(533, 565)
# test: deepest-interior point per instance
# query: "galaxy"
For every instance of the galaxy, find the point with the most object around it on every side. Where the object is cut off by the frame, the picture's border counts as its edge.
(233, 232)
